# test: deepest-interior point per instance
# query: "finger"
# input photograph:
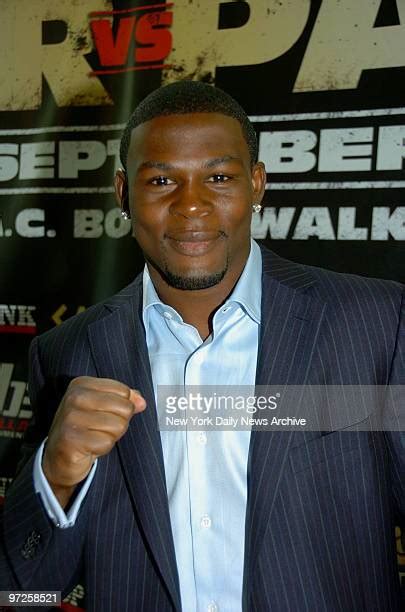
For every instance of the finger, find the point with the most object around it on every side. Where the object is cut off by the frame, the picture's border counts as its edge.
(107, 385)
(100, 443)
(81, 422)
(89, 400)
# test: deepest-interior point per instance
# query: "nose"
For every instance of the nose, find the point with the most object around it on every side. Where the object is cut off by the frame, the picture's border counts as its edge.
(191, 203)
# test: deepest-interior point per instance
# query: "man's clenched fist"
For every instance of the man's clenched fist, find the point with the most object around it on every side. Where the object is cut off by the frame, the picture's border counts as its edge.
(93, 414)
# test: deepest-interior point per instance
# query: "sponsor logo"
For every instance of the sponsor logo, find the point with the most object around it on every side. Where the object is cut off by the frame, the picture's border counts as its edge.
(15, 411)
(17, 319)
(59, 315)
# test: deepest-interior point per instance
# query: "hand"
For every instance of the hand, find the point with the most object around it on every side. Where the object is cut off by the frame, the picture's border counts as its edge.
(92, 416)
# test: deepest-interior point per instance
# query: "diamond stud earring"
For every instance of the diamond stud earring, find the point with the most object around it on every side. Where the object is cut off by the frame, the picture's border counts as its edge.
(256, 207)
(125, 215)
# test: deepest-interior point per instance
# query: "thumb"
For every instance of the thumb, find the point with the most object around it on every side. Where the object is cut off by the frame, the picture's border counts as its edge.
(137, 400)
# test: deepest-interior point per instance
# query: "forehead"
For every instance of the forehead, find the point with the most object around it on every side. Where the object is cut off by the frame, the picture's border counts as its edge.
(193, 135)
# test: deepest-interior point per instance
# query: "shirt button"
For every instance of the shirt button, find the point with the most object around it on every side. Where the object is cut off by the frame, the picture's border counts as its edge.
(212, 607)
(205, 521)
(167, 315)
(202, 438)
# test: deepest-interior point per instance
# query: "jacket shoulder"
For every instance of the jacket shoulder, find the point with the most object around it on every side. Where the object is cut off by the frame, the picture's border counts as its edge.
(343, 288)
(75, 328)
(331, 286)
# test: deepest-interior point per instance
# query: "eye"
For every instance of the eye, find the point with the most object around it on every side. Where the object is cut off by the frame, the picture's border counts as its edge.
(219, 178)
(161, 181)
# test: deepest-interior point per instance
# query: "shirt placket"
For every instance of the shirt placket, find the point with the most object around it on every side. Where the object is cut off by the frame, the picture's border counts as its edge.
(206, 513)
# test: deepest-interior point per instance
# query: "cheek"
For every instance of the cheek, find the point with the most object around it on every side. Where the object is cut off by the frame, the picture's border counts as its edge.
(237, 217)
(148, 217)
(142, 224)
(145, 234)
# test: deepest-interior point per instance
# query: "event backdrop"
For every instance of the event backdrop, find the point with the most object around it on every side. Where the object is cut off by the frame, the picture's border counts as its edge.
(322, 80)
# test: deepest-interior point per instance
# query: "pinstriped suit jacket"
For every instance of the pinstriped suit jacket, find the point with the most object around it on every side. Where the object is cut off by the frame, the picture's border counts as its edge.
(321, 507)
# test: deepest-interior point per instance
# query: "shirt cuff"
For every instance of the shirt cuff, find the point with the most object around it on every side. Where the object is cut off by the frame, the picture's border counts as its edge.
(52, 506)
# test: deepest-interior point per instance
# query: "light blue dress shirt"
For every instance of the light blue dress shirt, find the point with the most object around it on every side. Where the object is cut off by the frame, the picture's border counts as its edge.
(206, 472)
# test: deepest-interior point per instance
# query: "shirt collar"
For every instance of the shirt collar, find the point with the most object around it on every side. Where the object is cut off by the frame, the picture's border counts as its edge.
(247, 291)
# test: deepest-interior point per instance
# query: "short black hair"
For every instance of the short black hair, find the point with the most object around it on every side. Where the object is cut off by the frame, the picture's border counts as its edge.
(185, 97)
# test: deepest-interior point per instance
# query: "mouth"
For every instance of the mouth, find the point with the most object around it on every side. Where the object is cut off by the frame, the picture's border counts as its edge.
(193, 242)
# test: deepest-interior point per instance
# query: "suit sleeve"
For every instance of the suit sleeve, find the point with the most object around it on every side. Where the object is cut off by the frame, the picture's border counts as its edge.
(56, 513)
(396, 439)
(34, 553)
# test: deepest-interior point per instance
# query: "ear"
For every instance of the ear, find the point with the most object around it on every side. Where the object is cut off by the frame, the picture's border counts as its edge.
(259, 179)
(121, 191)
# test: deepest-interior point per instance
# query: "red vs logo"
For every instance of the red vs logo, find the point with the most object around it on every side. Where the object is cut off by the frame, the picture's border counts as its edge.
(132, 39)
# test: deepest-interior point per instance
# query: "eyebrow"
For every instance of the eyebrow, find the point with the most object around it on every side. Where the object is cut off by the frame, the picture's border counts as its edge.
(211, 163)
(155, 164)
(220, 160)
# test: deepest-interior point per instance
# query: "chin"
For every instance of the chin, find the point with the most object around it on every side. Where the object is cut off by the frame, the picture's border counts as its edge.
(194, 282)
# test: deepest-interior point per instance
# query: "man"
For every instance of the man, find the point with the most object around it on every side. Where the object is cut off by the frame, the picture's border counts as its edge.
(218, 520)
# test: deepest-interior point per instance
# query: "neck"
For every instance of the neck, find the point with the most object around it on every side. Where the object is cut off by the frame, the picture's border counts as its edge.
(196, 307)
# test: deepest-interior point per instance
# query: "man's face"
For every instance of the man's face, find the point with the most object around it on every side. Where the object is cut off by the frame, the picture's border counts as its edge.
(191, 189)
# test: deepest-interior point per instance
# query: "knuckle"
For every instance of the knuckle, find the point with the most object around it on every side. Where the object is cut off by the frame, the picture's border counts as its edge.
(124, 389)
(77, 397)
(67, 431)
(78, 381)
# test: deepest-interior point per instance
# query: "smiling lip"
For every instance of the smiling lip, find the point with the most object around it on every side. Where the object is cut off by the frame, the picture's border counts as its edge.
(191, 242)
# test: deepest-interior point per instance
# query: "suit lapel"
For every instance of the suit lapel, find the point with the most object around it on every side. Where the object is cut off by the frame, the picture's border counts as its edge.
(120, 352)
(290, 324)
